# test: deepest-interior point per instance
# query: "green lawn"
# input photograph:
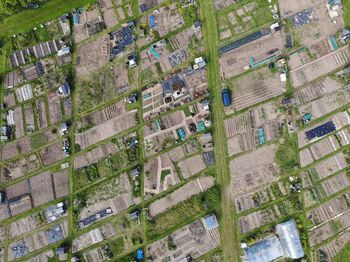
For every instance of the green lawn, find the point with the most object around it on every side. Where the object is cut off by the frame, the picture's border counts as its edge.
(343, 255)
(346, 5)
(28, 19)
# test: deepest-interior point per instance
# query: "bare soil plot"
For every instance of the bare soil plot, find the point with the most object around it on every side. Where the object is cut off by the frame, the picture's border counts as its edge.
(45, 256)
(343, 137)
(185, 192)
(290, 7)
(17, 190)
(328, 229)
(92, 56)
(109, 18)
(225, 34)
(60, 183)
(18, 119)
(306, 157)
(105, 130)
(2, 233)
(13, 79)
(160, 175)
(120, 13)
(51, 235)
(189, 38)
(11, 150)
(128, 9)
(101, 116)
(18, 196)
(242, 130)
(329, 209)
(29, 116)
(318, 150)
(246, 177)
(19, 168)
(25, 225)
(315, 34)
(233, 63)
(162, 133)
(41, 138)
(317, 90)
(333, 247)
(52, 154)
(340, 120)
(115, 193)
(150, 63)
(86, 24)
(94, 155)
(67, 107)
(23, 204)
(238, 144)
(168, 19)
(90, 238)
(95, 254)
(193, 239)
(257, 219)
(220, 4)
(94, 236)
(191, 147)
(322, 47)
(335, 184)
(157, 143)
(327, 104)
(191, 166)
(41, 113)
(324, 147)
(255, 87)
(9, 100)
(331, 165)
(257, 198)
(4, 212)
(321, 66)
(327, 188)
(55, 112)
(298, 58)
(41, 189)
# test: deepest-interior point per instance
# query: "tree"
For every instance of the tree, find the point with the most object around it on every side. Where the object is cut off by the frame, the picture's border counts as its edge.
(10, 7)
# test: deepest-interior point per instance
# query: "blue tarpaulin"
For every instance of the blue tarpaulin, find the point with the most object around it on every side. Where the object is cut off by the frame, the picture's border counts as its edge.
(152, 22)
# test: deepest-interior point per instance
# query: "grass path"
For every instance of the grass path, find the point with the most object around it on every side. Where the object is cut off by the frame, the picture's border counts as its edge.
(346, 4)
(27, 19)
(3, 57)
(228, 226)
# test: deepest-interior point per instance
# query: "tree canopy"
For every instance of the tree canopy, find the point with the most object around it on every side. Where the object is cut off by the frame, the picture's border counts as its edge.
(9, 7)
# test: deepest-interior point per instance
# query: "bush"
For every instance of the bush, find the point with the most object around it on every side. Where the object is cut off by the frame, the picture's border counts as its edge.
(184, 213)
(190, 14)
(77, 148)
(38, 140)
(212, 197)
